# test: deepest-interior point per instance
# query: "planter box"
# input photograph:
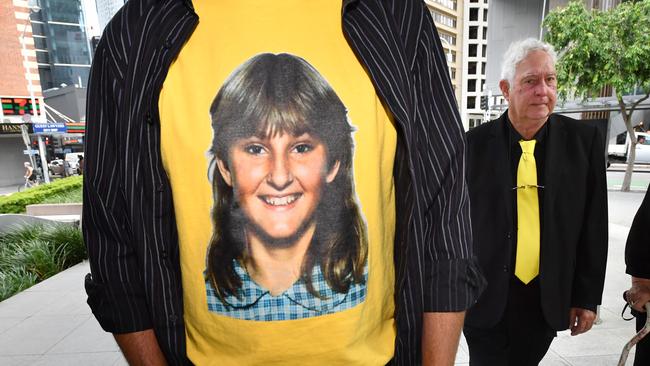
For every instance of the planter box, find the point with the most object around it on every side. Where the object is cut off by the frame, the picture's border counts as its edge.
(54, 209)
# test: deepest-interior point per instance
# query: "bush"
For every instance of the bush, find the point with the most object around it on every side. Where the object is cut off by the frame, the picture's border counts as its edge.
(33, 253)
(16, 203)
(73, 196)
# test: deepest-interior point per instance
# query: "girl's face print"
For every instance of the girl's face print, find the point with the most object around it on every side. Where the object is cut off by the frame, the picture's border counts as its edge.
(278, 181)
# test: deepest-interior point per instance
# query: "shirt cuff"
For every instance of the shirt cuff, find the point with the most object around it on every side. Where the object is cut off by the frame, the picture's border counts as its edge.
(118, 309)
(452, 285)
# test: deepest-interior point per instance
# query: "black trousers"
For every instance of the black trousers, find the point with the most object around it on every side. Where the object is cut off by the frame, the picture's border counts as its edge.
(522, 336)
(642, 352)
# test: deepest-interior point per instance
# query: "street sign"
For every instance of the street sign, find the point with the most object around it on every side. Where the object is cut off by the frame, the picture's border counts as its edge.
(30, 152)
(50, 128)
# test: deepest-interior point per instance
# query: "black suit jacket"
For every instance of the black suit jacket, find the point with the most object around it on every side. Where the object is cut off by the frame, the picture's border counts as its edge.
(573, 251)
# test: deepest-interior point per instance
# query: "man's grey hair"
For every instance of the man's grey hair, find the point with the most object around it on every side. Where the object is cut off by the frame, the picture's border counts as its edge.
(518, 51)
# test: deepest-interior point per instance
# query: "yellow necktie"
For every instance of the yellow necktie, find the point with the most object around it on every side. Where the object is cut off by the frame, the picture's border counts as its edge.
(527, 265)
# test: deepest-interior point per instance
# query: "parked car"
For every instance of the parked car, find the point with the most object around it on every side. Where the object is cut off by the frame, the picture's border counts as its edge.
(73, 162)
(620, 149)
(56, 167)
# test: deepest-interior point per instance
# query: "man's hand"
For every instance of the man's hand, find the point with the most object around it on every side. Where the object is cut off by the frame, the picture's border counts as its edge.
(639, 294)
(440, 335)
(141, 348)
(581, 320)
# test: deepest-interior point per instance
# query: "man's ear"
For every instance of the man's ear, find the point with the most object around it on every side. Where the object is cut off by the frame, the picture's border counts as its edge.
(504, 85)
(225, 173)
(333, 171)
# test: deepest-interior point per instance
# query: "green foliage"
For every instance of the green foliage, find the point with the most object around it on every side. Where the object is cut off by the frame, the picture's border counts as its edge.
(73, 196)
(601, 48)
(16, 203)
(14, 281)
(33, 253)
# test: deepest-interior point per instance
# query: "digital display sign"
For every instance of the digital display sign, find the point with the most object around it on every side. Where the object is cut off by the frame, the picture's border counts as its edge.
(12, 106)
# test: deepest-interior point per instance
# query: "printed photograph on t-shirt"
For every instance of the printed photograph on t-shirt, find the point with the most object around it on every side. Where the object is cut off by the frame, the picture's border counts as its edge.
(289, 240)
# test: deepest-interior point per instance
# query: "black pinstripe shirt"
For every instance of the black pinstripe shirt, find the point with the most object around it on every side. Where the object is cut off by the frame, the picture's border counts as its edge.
(129, 226)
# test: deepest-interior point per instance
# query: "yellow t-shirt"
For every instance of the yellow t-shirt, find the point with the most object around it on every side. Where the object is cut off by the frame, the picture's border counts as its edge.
(280, 157)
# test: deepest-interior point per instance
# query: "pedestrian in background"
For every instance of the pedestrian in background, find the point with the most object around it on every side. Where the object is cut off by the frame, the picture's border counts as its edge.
(539, 209)
(80, 165)
(637, 260)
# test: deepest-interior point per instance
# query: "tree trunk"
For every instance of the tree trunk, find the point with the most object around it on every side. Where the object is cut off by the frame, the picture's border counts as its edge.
(631, 154)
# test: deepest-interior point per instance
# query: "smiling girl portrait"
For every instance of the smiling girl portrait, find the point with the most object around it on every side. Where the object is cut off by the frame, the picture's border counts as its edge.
(288, 240)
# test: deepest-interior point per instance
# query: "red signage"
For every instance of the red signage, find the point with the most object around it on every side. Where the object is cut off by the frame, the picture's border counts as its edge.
(18, 106)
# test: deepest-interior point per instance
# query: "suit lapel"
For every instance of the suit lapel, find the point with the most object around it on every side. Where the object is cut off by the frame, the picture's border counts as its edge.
(501, 153)
(556, 150)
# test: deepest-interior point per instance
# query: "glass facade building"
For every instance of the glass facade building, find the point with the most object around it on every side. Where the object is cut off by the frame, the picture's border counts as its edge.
(61, 43)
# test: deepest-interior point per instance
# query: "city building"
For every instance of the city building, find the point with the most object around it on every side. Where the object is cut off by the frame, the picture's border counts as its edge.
(19, 82)
(448, 18)
(61, 43)
(106, 9)
(475, 45)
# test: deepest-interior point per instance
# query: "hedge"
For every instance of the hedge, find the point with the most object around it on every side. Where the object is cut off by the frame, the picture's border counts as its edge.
(32, 253)
(16, 203)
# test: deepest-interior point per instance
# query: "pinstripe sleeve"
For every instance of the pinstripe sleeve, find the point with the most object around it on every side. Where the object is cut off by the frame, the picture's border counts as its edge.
(115, 290)
(451, 278)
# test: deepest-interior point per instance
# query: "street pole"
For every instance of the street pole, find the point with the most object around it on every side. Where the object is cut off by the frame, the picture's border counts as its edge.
(41, 144)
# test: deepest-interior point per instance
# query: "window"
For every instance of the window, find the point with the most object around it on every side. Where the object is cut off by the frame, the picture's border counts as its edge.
(451, 4)
(42, 57)
(473, 14)
(449, 38)
(485, 19)
(471, 123)
(483, 65)
(471, 68)
(472, 50)
(473, 32)
(471, 102)
(482, 85)
(484, 32)
(471, 85)
(484, 54)
(443, 19)
(453, 74)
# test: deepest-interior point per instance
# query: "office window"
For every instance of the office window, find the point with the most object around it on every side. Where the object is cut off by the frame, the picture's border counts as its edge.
(471, 85)
(473, 14)
(471, 102)
(484, 32)
(471, 68)
(449, 38)
(473, 32)
(443, 19)
(484, 51)
(483, 68)
(472, 50)
(485, 15)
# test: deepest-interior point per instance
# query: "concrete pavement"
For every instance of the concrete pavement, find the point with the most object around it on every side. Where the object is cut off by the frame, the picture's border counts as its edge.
(50, 323)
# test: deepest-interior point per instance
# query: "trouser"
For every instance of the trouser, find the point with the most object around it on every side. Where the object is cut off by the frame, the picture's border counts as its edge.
(521, 338)
(642, 352)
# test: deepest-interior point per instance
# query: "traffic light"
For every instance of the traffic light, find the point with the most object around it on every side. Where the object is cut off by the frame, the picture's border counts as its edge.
(484, 102)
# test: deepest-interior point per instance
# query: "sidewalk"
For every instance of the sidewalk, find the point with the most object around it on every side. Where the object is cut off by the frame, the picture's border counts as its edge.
(50, 323)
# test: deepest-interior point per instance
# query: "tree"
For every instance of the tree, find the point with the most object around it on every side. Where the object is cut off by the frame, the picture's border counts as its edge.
(604, 48)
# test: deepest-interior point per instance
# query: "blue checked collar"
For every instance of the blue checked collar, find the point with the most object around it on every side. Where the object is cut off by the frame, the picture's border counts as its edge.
(297, 293)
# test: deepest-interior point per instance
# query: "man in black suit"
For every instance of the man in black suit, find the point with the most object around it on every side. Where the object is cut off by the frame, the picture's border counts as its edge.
(539, 213)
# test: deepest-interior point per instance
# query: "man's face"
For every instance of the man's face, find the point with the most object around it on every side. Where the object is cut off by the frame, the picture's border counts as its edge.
(532, 97)
(278, 181)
